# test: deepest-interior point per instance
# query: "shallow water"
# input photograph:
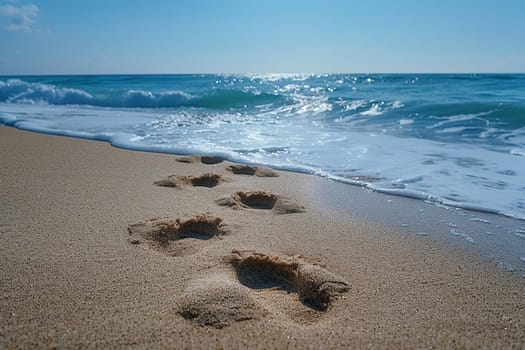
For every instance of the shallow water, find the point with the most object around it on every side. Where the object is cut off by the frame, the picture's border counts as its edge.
(457, 140)
(492, 238)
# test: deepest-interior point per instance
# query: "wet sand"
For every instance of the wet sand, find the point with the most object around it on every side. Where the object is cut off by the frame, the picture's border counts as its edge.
(111, 248)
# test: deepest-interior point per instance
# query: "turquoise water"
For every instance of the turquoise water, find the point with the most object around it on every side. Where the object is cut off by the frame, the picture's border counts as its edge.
(457, 140)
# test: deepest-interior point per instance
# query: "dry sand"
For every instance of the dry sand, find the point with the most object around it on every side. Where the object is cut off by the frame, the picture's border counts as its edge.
(94, 254)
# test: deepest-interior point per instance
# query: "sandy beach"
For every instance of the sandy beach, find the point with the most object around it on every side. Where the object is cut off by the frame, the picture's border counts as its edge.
(109, 248)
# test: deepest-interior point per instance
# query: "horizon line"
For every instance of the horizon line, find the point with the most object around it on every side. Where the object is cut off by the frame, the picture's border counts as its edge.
(260, 73)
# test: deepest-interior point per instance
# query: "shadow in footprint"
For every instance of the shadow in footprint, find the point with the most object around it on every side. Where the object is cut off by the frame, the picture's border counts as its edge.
(264, 272)
(261, 200)
(205, 180)
(257, 200)
(176, 237)
(240, 169)
(202, 227)
(315, 286)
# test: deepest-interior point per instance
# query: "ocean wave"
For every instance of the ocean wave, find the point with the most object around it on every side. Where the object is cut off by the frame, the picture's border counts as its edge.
(22, 92)
(231, 98)
(18, 91)
(148, 99)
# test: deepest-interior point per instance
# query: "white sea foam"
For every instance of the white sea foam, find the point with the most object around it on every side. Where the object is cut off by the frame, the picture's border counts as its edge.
(373, 111)
(487, 132)
(242, 137)
(476, 219)
(456, 129)
(354, 105)
(299, 122)
(397, 104)
(462, 235)
(312, 105)
(518, 152)
(460, 118)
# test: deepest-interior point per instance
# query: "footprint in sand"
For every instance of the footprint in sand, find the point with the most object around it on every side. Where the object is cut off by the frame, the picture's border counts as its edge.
(203, 159)
(261, 200)
(315, 286)
(176, 237)
(240, 169)
(218, 302)
(204, 180)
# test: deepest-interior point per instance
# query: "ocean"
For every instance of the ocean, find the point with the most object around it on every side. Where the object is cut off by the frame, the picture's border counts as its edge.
(456, 140)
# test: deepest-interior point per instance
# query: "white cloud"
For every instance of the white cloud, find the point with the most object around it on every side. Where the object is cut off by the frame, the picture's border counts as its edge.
(20, 18)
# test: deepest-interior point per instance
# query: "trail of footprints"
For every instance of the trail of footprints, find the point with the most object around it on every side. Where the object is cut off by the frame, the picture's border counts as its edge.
(221, 299)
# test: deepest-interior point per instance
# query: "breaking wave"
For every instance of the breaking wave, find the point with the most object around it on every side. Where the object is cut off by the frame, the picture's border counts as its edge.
(19, 91)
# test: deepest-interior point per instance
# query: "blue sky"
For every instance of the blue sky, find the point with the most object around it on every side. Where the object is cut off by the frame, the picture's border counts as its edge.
(206, 36)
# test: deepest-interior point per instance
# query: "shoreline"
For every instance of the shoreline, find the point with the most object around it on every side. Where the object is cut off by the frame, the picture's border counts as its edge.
(493, 236)
(429, 197)
(71, 277)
